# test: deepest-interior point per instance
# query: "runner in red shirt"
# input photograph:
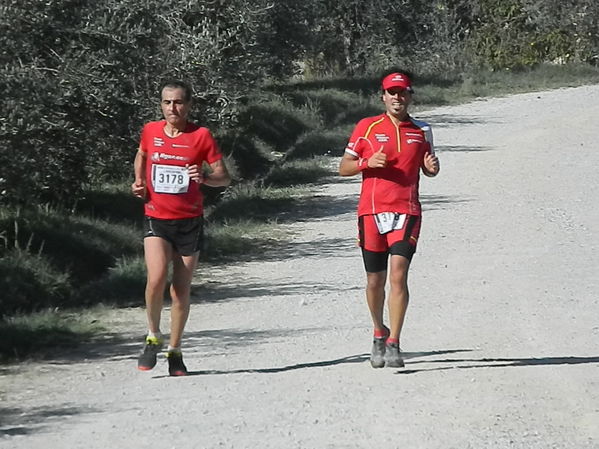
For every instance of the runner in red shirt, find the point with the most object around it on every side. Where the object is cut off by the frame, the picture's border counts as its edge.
(168, 174)
(389, 150)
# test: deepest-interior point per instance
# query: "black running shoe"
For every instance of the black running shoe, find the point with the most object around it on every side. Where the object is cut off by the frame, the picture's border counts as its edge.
(147, 359)
(176, 367)
(393, 357)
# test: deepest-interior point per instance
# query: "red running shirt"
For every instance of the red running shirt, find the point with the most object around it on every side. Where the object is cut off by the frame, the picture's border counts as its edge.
(171, 194)
(395, 187)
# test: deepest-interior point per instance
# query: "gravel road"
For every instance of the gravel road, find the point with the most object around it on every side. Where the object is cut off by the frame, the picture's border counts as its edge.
(501, 339)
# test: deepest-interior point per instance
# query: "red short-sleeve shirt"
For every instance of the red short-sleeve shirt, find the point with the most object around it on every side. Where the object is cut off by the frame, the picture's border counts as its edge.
(395, 187)
(170, 195)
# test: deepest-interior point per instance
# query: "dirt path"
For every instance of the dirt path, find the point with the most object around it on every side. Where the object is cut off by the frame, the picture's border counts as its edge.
(501, 340)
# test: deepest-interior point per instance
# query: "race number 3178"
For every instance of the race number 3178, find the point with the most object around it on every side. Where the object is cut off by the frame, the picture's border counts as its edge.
(169, 179)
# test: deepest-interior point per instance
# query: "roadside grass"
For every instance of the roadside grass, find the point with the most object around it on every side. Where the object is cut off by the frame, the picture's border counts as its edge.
(483, 84)
(92, 254)
(274, 122)
(112, 203)
(34, 335)
(317, 143)
(437, 89)
(48, 254)
(30, 281)
(296, 172)
(241, 239)
(122, 286)
(255, 202)
(76, 244)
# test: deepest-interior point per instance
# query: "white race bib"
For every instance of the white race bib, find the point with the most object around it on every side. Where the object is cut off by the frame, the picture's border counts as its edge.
(169, 179)
(389, 221)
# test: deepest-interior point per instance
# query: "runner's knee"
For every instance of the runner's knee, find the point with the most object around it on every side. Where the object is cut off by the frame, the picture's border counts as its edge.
(376, 281)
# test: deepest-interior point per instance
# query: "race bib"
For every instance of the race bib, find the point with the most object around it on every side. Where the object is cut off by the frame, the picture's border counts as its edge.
(389, 221)
(169, 179)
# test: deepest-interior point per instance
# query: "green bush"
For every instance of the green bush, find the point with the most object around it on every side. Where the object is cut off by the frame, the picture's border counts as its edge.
(43, 332)
(318, 143)
(30, 282)
(297, 172)
(123, 285)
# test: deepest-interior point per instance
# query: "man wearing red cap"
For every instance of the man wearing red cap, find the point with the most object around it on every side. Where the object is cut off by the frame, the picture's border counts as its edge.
(389, 150)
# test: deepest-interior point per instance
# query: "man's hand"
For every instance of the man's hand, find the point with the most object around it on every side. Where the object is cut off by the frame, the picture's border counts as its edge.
(194, 173)
(431, 164)
(378, 159)
(139, 188)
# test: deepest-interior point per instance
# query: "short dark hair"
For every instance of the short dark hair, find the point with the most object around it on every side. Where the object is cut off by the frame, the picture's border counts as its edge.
(395, 69)
(177, 84)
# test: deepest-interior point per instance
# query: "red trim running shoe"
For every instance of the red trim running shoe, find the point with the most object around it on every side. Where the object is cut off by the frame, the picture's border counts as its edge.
(176, 367)
(147, 359)
(393, 358)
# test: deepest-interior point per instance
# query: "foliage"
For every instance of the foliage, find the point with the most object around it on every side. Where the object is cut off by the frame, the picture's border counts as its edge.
(22, 336)
(81, 77)
(29, 282)
(280, 83)
(47, 255)
(297, 172)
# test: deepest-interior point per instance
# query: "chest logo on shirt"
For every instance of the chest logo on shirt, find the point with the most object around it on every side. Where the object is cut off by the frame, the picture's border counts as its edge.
(157, 157)
(158, 142)
(381, 138)
(413, 138)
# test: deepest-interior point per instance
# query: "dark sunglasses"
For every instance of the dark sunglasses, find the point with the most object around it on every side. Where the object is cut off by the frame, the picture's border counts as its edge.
(397, 90)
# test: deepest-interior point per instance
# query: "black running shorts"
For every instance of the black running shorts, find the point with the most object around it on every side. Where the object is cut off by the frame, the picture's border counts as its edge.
(186, 235)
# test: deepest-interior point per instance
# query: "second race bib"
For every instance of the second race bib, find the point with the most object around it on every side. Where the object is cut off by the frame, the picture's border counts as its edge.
(389, 221)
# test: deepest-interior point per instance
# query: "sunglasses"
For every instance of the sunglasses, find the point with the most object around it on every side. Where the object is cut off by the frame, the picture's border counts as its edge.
(397, 90)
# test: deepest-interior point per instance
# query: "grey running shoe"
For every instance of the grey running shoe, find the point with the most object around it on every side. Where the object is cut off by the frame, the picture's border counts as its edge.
(393, 357)
(176, 367)
(147, 359)
(377, 356)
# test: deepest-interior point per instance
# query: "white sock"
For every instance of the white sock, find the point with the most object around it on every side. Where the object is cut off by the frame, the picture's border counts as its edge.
(154, 335)
(173, 349)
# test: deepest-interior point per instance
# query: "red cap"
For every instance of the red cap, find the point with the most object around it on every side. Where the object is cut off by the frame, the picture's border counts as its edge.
(397, 80)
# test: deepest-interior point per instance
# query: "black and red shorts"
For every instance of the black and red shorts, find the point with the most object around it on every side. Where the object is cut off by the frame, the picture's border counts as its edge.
(376, 247)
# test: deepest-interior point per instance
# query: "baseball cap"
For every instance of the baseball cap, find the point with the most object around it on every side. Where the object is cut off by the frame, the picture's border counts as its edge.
(397, 80)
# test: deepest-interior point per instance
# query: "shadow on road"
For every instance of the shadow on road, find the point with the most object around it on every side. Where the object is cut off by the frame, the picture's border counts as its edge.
(17, 421)
(358, 358)
(498, 363)
(461, 149)
(445, 120)
(217, 291)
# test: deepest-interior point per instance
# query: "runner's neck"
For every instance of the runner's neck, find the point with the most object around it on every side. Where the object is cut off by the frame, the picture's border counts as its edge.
(174, 131)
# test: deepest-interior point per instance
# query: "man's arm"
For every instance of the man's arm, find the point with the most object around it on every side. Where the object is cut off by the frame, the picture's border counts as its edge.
(139, 167)
(351, 165)
(219, 175)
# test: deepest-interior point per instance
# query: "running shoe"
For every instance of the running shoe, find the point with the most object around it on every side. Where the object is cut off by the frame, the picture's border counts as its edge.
(176, 367)
(393, 357)
(377, 356)
(147, 359)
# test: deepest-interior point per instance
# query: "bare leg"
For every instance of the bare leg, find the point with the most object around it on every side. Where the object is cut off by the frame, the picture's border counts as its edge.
(183, 269)
(158, 253)
(398, 293)
(375, 296)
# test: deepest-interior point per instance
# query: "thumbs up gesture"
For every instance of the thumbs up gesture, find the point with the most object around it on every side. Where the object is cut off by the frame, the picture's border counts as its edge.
(378, 159)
